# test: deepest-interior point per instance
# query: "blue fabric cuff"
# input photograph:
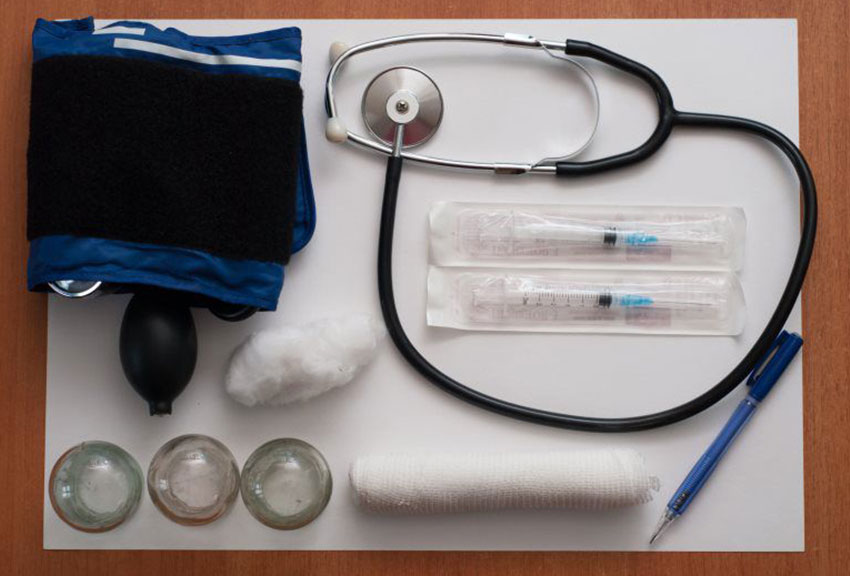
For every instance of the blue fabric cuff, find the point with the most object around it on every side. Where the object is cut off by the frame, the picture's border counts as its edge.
(274, 53)
(243, 282)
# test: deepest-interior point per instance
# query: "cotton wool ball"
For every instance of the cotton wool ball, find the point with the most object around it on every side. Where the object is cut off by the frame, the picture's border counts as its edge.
(296, 363)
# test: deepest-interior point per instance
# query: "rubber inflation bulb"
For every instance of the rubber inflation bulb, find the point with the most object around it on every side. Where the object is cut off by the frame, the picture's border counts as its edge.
(335, 130)
(336, 50)
(158, 348)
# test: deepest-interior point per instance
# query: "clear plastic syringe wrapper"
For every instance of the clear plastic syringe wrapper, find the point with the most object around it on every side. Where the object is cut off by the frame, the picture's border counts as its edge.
(549, 300)
(556, 235)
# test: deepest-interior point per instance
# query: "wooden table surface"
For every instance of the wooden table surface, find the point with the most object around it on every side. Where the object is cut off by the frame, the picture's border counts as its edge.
(824, 44)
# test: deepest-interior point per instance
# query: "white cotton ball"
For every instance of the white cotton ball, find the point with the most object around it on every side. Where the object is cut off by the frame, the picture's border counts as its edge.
(295, 363)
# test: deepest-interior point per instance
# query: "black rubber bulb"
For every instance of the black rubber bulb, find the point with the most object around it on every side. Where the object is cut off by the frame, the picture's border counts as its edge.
(159, 347)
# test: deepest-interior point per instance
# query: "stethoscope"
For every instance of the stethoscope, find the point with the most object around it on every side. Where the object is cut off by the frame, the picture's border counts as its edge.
(411, 88)
(402, 108)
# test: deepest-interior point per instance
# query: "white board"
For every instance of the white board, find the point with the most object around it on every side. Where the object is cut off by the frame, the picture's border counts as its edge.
(510, 106)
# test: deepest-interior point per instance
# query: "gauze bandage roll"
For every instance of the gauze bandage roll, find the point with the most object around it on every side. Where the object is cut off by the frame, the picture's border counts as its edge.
(446, 483)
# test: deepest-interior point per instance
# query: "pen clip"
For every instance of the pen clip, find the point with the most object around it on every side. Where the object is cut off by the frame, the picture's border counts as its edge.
(762, 364)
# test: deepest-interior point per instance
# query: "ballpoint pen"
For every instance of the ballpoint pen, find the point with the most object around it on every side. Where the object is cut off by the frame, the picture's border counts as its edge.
(761, 381)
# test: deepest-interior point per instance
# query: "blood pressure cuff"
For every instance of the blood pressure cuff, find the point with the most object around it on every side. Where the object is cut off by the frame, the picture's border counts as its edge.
(163, 159)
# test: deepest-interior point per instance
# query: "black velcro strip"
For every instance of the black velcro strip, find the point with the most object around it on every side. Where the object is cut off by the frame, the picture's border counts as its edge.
(135, 150)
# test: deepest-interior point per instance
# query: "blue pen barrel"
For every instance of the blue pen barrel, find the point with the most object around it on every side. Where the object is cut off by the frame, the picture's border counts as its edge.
(708, 462)
(761, 382)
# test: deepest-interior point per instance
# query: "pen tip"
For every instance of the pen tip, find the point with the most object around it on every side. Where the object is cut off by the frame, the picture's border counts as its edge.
(662, 525)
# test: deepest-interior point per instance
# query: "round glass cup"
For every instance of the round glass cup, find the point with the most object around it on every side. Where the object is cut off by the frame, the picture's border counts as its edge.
(95, 486)
(286, 483)
(193, 479)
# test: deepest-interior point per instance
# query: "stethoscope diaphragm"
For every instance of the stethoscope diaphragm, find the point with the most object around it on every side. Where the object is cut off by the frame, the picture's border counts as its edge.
(402, 95)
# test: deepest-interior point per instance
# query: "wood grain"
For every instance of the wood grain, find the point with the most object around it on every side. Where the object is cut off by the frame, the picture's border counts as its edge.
(824, 43)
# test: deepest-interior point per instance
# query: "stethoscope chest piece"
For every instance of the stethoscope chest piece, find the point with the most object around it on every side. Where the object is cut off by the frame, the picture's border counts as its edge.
(402, 96)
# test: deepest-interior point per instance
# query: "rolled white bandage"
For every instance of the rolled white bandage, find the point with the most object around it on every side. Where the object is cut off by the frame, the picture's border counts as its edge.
(444, 483)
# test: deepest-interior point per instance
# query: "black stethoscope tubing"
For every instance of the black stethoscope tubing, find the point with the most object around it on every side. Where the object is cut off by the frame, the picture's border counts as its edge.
(668, 119)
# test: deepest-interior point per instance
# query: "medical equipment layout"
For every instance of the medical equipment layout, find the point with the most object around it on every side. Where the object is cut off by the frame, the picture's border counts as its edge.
(548, 300)
(194, 190)
(560, 235)
(402, 107)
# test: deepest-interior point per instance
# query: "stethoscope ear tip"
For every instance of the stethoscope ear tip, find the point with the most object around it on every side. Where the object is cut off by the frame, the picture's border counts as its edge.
(336, 50)
(335, 130)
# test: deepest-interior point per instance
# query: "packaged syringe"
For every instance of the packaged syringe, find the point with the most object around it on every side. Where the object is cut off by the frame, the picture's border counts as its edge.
(603, 301)
(558, 235)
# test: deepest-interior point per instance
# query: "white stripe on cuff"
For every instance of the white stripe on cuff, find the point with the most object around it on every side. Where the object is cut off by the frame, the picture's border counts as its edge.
(120, 30)
(212, 59)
